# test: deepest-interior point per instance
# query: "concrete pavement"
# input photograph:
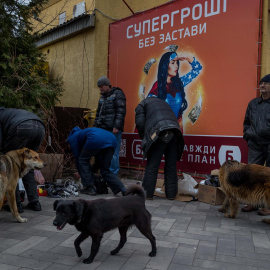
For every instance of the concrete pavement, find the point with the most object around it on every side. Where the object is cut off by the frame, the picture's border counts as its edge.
(190, 236)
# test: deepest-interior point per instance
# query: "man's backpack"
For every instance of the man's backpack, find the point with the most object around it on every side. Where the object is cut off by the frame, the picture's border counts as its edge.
(100, 185)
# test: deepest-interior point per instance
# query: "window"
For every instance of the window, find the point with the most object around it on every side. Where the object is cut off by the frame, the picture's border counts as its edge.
(79, 9)
(62, 18)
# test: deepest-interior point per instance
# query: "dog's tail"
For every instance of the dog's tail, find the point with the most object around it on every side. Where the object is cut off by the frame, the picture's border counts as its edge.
(135, 189)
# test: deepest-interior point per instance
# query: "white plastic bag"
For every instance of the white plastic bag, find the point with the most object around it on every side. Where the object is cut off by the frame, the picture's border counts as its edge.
(186, 185)
(21, 187)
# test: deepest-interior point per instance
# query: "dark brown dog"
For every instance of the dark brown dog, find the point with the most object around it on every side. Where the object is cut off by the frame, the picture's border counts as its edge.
(94, 218)
(13, 165)
(246, 183)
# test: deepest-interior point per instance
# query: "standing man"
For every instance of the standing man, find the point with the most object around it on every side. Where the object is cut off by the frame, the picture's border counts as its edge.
(18, 129)
(111, 114)
(257, 132)
(97, 142)
(160, 132)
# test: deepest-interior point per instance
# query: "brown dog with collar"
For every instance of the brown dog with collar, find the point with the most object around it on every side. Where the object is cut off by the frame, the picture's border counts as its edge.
(13, 165)
(245, 183)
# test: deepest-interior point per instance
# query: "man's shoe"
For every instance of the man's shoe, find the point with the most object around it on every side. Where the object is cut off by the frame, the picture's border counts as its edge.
(264, 212)
(19, 206)
(89, 191)
(249, 208)
(35, 206)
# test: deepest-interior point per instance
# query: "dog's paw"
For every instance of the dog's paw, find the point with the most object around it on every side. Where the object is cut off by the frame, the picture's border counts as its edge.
(22, 220)
(78, 251)
(113, 252)
(152, 254)
(87, 261)
(266, 220)
(222, 210)
(229, 216)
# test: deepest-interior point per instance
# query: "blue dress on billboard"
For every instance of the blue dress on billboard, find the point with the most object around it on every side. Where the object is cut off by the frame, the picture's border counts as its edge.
(174, 97)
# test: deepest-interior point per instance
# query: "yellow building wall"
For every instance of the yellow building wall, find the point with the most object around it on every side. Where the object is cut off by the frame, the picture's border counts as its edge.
(83, 58)
(72, 58)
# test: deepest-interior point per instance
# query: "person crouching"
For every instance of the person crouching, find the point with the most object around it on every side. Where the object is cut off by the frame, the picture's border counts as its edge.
(100, 143)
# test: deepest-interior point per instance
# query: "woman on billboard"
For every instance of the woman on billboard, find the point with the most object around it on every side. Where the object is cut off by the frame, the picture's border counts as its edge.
(169, 86)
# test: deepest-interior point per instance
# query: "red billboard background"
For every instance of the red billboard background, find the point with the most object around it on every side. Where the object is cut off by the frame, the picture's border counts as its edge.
(223, 36)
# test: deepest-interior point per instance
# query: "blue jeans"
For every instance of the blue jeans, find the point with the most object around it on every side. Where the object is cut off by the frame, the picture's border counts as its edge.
(115, 166)
(104, 157)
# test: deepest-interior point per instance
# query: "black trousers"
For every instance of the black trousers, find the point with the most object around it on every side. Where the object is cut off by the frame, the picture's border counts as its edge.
(154, 156)
(28, 134)
(104, 158)
(258, 154)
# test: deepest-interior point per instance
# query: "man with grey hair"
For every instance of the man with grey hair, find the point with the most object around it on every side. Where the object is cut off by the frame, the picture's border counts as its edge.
(111, 114)
(257, 132)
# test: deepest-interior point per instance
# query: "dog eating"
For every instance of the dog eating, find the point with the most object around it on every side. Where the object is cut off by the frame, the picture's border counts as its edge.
(13, 165)
(245, 183)
(94, 218)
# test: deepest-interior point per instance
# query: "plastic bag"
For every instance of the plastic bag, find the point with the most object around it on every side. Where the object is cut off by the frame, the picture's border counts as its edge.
(186, 185)
(20, 183)
(23, 194)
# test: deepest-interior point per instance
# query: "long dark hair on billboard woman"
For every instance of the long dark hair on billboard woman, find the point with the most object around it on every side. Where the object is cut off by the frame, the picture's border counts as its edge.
(170, 86)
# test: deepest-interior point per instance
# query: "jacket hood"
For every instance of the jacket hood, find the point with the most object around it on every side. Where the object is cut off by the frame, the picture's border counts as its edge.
(112, 91)
(74, 130)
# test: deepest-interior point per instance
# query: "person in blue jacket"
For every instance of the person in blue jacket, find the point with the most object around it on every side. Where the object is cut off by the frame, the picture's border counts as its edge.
(100, 143)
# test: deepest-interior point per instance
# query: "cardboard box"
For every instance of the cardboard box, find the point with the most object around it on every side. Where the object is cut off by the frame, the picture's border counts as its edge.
(54, 167)
(160, 192)
(215, 172)
(210, 194)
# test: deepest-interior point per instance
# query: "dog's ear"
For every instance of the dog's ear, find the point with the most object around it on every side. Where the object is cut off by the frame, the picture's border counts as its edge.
(21, 152)
(55, 204)
(26, 151)
(79, 206)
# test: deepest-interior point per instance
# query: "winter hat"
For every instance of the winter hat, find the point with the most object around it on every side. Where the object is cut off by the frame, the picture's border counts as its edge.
(265, 79)
(103, 81)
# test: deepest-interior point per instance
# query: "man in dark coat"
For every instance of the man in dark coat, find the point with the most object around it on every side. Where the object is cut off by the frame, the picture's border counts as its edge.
(111, 114)
(160, 132)
(257, 132)
(18, 129)
(99, 143)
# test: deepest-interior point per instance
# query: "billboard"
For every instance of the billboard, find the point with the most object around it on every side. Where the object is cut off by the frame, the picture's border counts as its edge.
(213, 46)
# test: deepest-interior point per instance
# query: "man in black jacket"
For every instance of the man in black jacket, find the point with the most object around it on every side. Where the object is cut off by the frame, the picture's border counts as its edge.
(160, 132)
(18, 129)
(111, 114)
(257, 132)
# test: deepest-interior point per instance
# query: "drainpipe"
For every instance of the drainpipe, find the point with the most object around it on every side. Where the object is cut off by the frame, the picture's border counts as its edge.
(262, 46)
(108, 56)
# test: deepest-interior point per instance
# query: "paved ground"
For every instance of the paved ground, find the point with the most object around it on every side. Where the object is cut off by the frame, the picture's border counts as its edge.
(190, 236)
